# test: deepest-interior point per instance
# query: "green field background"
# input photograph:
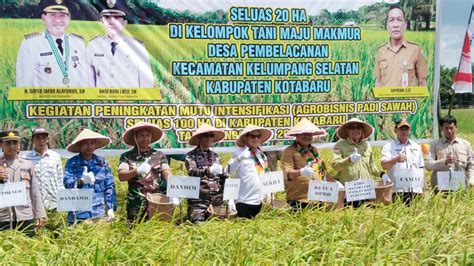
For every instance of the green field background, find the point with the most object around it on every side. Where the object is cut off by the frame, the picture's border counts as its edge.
(191, 89)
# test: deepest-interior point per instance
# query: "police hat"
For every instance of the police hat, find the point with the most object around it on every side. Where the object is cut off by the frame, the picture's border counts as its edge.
(54, 6)
(116, 8)
(9, 135)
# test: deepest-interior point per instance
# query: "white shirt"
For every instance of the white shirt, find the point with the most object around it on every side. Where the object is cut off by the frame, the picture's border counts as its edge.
(49, 170)
(249, 192)
(414, 159)
(129, 67)
(36, 65)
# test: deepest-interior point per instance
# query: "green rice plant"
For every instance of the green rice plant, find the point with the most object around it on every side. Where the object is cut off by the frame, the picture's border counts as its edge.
(436, 229)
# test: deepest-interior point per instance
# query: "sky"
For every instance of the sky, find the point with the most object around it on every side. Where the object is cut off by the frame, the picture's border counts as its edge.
(454, 16)
(454, 19)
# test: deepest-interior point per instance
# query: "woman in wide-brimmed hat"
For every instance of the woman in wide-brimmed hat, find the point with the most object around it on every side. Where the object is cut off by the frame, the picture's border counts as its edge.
(88, 170)
(247, 162)
(145, 169)
(352, 155)
(301, 163)
(204, 163)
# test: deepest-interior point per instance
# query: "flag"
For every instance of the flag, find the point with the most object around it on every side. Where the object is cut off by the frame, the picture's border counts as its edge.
(463, 77)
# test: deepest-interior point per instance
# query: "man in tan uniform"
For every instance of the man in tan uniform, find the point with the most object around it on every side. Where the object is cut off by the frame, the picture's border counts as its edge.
(302, 163)
(399, 62)
(450, 152)
(16, 169)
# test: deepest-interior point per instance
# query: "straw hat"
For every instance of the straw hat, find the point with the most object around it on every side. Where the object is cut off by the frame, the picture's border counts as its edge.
(129, 135)
(366, 128)
(266, 134)
(88, 134)
(306, 126)
(206, 128)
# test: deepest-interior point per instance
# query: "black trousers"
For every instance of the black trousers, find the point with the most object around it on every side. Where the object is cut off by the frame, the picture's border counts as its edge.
(137, 215)
(27, 227)
(355, 204)
(298, 205)
(406, 197)
(246, 210)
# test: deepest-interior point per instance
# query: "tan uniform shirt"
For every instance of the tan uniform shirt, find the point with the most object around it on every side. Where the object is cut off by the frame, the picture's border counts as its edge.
(436, 157)
(296, 188)
(22, 170)
(390, 64)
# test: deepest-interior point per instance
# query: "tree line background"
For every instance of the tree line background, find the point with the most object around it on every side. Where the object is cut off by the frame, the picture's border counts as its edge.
(461, 100)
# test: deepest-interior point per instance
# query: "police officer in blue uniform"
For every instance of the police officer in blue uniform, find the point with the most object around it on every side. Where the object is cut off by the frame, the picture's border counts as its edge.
(52, 58)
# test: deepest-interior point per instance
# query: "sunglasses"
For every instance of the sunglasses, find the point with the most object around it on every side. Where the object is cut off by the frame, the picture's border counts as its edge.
(208, 135)
(252, 136)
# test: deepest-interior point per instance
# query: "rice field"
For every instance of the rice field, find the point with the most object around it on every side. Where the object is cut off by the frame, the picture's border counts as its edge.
(437, 229)
(434, 230)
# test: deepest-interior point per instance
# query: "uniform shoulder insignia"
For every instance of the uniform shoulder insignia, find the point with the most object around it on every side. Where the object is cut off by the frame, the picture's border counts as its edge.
(32, 35)
(95, 37)
(138, 40)
(77, 36)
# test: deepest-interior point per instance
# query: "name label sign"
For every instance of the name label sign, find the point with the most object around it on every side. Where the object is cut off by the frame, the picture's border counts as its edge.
(360, 190)
(323, 191)
(409, 178)
(231, 188)
(12, 194)
(75, 200)
(183, 187)
(451, 180)
(272, 182)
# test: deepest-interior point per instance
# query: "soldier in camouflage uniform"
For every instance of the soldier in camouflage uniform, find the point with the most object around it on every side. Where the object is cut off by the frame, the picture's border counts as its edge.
(145, 169)
(204, 163)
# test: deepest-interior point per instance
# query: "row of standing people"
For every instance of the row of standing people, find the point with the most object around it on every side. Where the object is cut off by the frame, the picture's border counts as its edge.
(146, 170)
